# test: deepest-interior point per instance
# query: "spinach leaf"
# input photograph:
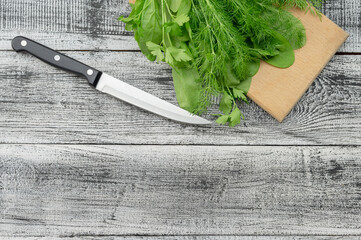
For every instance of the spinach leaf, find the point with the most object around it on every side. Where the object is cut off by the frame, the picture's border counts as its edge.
(187, 87)
(286, 56)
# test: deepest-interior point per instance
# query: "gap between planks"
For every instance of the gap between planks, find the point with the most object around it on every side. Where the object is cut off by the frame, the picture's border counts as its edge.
(192, 237)
(138, 51)
(180, 145)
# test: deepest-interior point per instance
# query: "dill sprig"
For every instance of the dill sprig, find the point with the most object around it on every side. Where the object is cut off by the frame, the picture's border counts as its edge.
(309, 5)
(217, 42)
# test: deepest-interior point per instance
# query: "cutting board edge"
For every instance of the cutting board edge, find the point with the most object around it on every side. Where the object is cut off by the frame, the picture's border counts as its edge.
(315, 77)
(281, 116)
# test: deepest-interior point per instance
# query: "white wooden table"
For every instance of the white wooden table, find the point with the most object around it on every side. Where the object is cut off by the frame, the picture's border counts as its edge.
(75, 163)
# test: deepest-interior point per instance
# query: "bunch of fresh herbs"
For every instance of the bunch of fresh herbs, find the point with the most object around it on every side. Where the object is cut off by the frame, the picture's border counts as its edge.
(215, 46)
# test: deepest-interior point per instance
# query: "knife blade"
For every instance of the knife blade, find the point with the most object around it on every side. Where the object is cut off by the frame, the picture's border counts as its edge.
(106, 83)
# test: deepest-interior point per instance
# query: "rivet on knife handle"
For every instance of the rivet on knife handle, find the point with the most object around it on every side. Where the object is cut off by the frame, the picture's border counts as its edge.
(56, 59)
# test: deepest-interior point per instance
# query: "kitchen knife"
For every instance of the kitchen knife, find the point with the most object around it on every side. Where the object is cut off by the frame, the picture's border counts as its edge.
(107, 84)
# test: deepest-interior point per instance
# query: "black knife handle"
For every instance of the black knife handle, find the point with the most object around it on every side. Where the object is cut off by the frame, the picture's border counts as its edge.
(56, 59)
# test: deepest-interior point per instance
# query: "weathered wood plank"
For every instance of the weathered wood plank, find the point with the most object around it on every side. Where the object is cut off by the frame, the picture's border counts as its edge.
(67, 24)
(40, 104)
(182, 237)
(346, 13)
(77, 190)
(89, 24)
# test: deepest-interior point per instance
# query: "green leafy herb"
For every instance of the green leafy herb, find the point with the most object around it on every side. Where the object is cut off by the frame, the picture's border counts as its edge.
(215, 46)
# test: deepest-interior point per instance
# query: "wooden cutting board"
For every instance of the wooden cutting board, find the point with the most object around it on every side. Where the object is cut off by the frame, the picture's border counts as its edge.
(278, 90)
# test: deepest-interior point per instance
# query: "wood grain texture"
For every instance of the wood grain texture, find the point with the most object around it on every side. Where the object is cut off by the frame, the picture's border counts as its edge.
(82, 190)
(277, 90)
(183, 237)
(346, 13)
(67, 24)
(41, 104)
(112, 192)
(93, 25)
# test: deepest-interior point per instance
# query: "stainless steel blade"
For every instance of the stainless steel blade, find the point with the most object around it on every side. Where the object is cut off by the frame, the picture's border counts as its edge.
(146, 101)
